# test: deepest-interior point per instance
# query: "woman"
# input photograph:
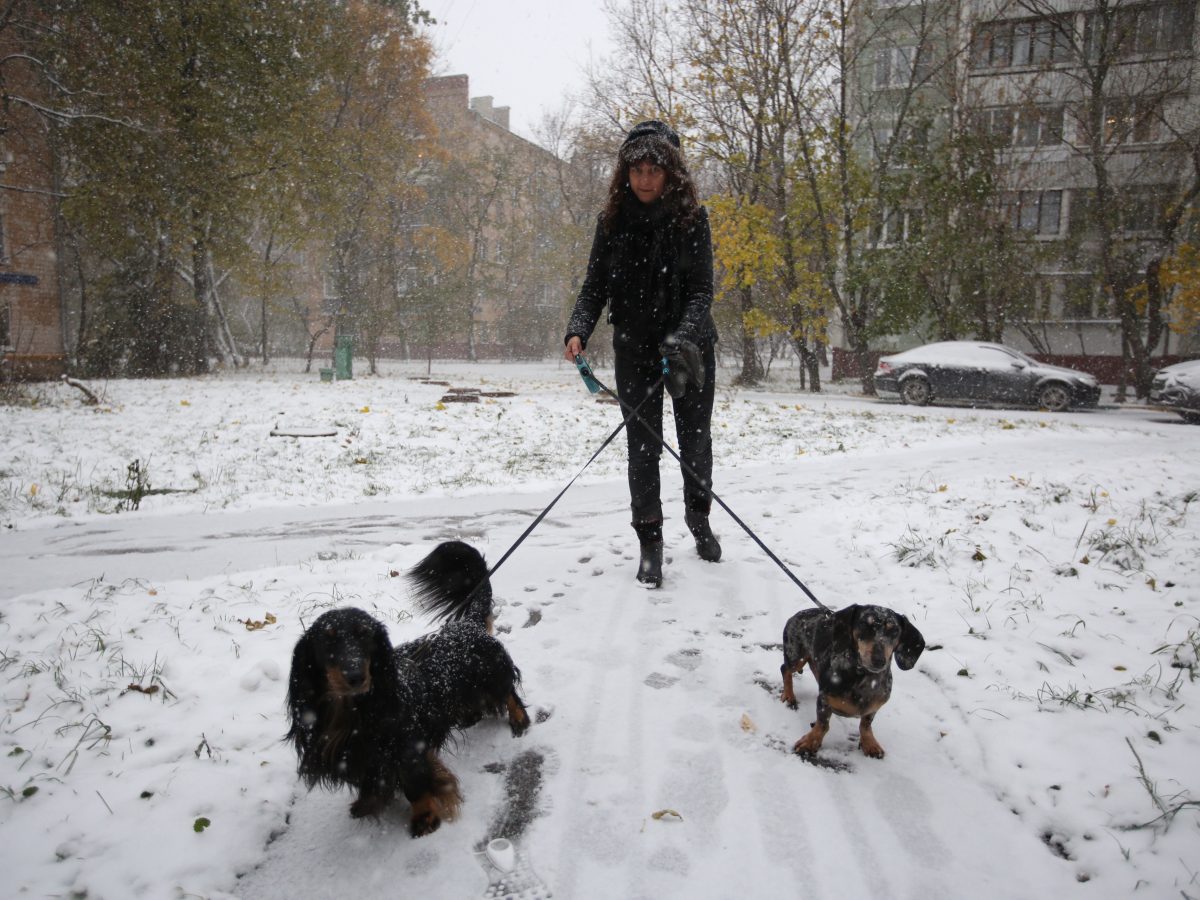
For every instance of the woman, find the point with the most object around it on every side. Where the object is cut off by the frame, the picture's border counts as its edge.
(651, 263)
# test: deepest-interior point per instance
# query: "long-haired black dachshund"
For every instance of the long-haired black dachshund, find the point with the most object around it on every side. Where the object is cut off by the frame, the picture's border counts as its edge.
(374, 717)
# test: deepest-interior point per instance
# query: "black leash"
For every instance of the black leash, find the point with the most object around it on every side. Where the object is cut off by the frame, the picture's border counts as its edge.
(595, 385)
(633, 414)
(608, 440)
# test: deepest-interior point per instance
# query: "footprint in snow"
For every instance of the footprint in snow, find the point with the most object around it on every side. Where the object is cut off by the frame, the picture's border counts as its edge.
(658, 681)
(687, 658)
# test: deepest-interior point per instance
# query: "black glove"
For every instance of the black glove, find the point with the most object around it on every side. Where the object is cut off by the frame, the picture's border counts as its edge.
(685, 365)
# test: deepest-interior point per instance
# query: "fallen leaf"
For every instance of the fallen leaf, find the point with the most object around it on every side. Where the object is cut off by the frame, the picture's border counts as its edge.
(748, 724)
(254, 625)
(663, 813)
(978, 555)
(153, 689)
(200, 824)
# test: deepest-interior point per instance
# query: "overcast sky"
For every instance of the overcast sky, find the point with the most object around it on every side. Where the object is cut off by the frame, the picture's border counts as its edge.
(525, 54)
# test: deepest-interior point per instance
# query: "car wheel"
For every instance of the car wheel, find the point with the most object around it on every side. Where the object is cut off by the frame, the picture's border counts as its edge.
(915, 391)
(1192, 418)
(1054, 397)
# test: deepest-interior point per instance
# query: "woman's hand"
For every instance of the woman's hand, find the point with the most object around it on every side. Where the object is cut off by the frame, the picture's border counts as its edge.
(574, 348)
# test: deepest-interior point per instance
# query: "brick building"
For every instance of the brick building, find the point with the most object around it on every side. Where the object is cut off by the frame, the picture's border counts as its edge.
(31, 330)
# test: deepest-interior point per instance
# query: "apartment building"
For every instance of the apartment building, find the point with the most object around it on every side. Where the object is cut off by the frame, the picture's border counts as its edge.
(1093, 107)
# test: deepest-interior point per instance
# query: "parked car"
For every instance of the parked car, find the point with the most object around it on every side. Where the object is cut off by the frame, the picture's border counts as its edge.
(981, 373)
(1177, 387)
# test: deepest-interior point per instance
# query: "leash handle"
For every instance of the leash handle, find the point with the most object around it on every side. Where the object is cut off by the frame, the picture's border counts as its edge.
(585, 372)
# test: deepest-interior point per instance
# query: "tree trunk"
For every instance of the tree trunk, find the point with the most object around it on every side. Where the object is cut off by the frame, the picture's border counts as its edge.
(752, 370)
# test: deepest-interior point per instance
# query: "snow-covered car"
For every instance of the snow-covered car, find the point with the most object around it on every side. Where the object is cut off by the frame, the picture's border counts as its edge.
(1177, 387)
(981, 374)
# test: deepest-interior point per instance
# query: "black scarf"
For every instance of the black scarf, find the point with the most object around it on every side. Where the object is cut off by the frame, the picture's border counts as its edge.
(646, 251)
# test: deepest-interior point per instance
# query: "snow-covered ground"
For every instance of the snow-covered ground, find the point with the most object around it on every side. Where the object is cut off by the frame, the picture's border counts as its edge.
(1045, 744)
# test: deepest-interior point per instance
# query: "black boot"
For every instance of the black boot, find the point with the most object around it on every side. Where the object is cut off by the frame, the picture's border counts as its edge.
(706, 542)
(650, 565)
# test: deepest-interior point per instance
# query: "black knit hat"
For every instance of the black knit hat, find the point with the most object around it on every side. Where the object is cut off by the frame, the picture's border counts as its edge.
(652, 140)
(652, 127)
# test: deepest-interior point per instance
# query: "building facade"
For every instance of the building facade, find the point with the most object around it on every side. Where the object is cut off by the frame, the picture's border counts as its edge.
(1093, 110)
(31, 329)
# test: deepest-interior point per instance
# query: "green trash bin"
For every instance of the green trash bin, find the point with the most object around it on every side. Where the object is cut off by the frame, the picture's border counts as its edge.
(343, 356)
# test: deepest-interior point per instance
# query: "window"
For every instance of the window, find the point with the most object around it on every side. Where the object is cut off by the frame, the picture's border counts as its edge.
(1142, 207)
(1133, 120)
(896, 226)
(893, 66)
(1022, 126)
(911, 142)
(1034, 212)
(1032, 42)
(901, 66)
(1079, 296)
(1139, 209)
(1131, 31)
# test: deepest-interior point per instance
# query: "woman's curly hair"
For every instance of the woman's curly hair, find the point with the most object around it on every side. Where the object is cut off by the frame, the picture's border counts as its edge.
(656, 143)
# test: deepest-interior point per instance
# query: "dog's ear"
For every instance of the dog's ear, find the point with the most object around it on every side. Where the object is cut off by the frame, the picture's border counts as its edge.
(306, 684)
(846, 616)
(383, 667)
(911, 644)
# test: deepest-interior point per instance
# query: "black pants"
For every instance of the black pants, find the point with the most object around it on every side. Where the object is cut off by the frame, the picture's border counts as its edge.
(637, 373)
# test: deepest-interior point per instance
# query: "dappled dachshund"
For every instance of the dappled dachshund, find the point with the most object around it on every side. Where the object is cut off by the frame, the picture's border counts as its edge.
(850, 653)
(374, 717)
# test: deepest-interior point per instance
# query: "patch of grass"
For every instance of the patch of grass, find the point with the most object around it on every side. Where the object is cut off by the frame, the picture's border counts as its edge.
(1168, 807)
(1185, 653)
(914, 550)
(17, 394)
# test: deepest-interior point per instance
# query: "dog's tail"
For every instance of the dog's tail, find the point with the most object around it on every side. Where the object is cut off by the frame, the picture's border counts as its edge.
(452, 583)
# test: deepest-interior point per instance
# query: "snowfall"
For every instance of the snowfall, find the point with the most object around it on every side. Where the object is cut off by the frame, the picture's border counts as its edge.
(162, 551)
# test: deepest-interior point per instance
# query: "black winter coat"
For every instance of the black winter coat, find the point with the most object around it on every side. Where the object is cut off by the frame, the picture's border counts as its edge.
(655, 274)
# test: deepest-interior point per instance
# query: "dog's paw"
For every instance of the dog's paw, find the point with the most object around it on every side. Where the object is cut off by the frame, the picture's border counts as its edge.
(519, 726)
(870, 747)
(424, 823)
(790, 701)
(808, 745)
(365, 807)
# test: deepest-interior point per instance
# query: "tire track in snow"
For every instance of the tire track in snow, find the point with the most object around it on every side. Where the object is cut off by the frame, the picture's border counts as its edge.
(581, 761)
